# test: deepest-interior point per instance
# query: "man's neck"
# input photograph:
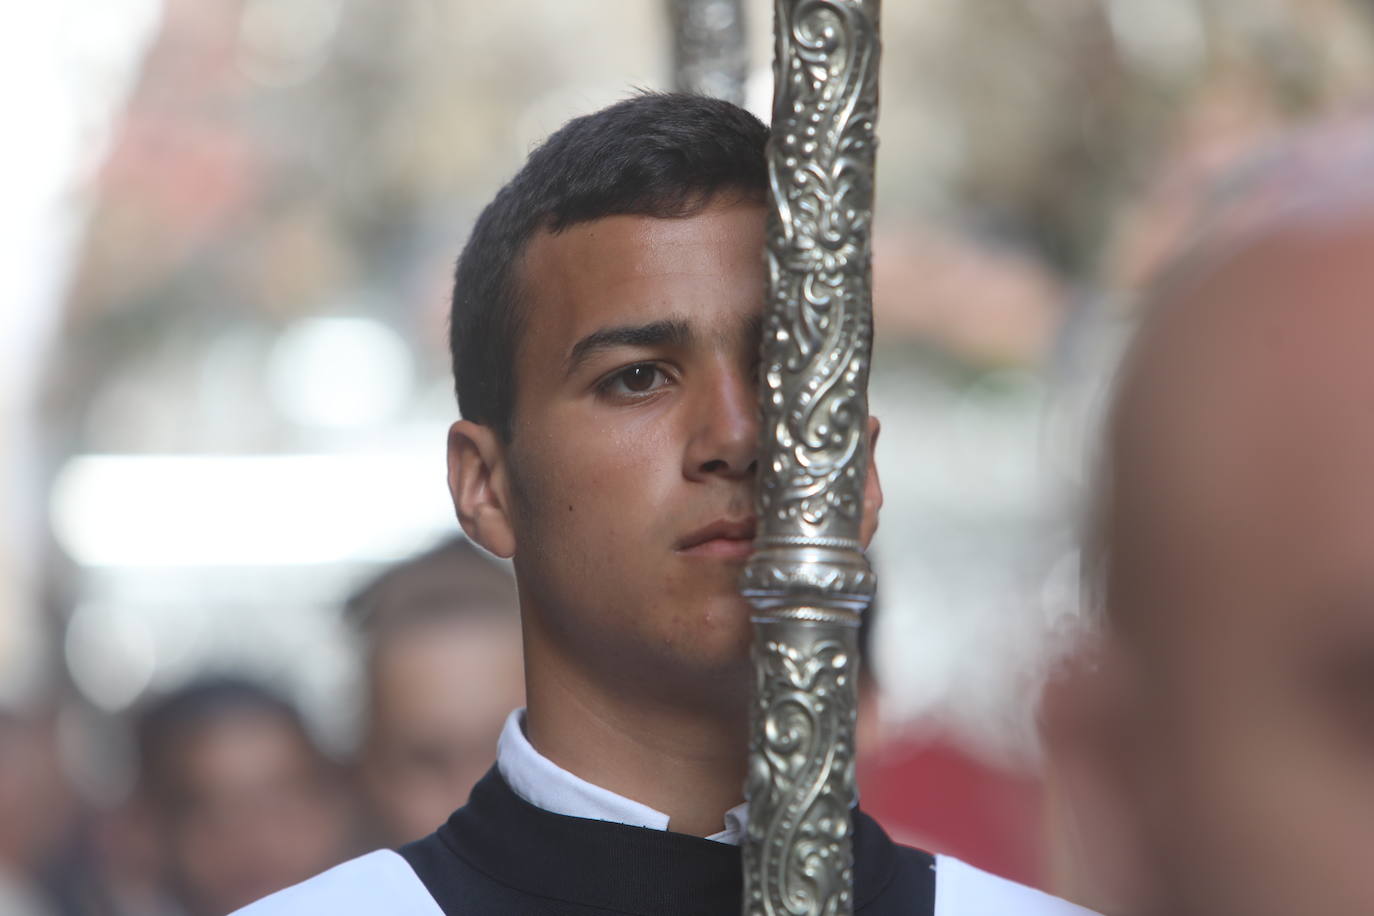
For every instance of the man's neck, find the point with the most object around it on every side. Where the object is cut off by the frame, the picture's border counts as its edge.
(687, 763)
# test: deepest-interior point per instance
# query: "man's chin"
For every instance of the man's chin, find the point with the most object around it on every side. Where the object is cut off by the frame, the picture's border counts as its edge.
(728, 624)
(717, 650)
(722, 682)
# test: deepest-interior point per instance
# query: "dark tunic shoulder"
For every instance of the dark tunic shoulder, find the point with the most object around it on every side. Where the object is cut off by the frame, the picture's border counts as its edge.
(499, 855)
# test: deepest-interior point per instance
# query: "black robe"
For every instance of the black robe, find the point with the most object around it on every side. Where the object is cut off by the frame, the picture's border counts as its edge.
(499, 855)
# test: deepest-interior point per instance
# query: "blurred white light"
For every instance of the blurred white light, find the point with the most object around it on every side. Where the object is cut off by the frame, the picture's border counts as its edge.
(256, 510)
(110, 654)
(339, 372)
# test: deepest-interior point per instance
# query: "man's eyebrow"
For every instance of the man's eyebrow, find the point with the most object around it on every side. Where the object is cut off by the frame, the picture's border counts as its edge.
(669, 332)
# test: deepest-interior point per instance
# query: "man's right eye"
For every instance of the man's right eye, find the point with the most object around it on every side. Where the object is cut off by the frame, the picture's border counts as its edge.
(639, 379)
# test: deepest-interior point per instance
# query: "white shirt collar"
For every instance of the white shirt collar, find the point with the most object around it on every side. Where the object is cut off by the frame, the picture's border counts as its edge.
(544, 784)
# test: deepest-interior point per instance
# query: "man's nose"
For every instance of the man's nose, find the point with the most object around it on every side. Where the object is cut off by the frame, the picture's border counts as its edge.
(724, 439)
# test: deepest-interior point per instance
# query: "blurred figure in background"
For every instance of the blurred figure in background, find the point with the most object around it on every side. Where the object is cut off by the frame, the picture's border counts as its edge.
(35, 810)
(443, 670)
(241, 799)
(1214, 750)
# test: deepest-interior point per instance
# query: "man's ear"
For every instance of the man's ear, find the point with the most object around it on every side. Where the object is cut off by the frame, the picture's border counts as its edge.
(479, 482)
(873, 487)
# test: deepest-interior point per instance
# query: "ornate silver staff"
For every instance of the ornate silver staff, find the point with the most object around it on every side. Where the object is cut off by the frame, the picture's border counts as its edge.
(808, 579)
(710, 51)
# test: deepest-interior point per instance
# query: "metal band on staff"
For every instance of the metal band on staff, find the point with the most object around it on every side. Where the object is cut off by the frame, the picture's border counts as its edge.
(808, 579)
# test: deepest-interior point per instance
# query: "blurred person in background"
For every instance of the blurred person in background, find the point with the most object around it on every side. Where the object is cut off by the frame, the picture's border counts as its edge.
(605, 334)
(443, 670)
(36, 809)
(242, 801)
(121, 872)
(1213, 745)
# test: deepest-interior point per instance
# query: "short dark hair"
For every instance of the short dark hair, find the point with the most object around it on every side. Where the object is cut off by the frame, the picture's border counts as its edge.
(656, 154)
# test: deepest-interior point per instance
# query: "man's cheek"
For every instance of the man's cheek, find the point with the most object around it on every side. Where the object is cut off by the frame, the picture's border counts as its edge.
(576, 531)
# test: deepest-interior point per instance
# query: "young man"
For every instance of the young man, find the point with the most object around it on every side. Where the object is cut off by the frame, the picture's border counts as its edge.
(605, 335)
(1216, 746)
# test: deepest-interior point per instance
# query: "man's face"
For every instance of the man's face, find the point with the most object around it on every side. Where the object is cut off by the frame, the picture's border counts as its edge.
(625, 492)
(1248, 478)
(634, 440)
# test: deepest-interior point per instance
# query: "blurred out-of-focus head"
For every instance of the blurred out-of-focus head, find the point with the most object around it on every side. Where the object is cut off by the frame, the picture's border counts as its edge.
(442, 635)
(243, 801)
(35, 802)
(1219, 744)
(36, 810)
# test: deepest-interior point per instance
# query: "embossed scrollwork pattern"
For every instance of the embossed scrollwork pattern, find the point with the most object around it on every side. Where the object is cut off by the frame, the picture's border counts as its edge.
(808, 578)
(801, 778)
(818, 333)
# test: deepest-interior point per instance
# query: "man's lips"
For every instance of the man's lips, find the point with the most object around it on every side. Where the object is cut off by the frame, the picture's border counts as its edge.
(731, 539)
